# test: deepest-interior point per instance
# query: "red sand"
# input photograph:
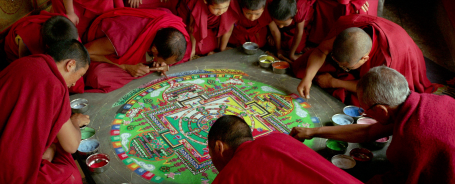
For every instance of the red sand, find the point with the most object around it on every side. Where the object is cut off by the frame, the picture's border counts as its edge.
(281, 65)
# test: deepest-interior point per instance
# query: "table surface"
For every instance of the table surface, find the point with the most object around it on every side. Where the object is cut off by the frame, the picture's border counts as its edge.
(322, 104)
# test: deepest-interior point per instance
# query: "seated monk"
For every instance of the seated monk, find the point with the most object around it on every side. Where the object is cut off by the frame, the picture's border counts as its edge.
(274, 158)
(327, 12)
(356, 44)
(252, 25)
(156, 38)
(423, 146)
(32, 34)
(209, 23)
(37, 132)
(293, 18)
(83, 12)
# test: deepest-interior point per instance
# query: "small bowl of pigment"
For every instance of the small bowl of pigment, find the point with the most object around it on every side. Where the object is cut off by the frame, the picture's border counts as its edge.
(88, 147)
(98, 162)
(353, 111)
(87, 133)
(250, 48)
(280, 67)
(343, 161)
(380, 142)
(265, 61)
(79, 105)
(336, 147)
(361, 154)
(342, 119)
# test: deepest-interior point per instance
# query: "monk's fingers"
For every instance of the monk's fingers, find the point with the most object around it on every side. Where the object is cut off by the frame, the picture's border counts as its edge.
(357, 11)
(364, 8)
(366, 3)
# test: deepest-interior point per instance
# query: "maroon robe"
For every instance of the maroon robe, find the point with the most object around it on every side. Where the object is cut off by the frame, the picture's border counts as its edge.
(392, 47)
(207, 27)
(423, 145)
(250, 31)
(153, 4)
(130, 46)
(279, 158)
(87, 11)
(327, 12)
(305, 12)
(35, 105)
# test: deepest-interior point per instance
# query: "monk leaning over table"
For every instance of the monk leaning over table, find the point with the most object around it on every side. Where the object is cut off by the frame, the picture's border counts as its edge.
(356, 44)
(423, 146)
(37, 132)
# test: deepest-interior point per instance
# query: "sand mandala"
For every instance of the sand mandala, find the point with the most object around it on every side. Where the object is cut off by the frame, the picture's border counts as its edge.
(160, 131)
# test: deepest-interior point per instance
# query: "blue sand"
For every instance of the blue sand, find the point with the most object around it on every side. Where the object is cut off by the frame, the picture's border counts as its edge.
(341, 120)
(88, 145)
(353, 111)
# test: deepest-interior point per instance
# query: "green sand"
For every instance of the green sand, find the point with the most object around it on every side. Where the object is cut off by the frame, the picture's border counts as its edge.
(336, 145)
(87, 132)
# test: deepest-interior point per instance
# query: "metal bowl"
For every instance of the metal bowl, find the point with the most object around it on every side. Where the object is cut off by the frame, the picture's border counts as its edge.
(79, 105)
(250, 48)
(82, 151)
(336, 147)
(353, 111)
(361, 154)
(87, 133)
(280, 67)
(98, 163)
(265, 61)
(342, 119)
(343, 161)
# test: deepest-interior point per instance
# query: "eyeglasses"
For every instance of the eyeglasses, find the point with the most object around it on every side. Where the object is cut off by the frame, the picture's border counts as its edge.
(346, 69)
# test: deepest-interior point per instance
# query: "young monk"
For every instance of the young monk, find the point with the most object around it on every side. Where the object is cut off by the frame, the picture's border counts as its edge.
(355, 45)
(210, 23)
(157, 38)
(423, 146)
(32, 34)
(293, 19)
(37, 145)
(277, 157)
(252, 25)
(327, 12)
(83, 12)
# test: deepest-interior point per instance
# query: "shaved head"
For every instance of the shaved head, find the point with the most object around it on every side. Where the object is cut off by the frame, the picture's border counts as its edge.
(351, 45)
(231, 130)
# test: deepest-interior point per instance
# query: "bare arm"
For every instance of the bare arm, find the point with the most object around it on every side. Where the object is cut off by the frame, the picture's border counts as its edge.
(225, 39)
(350, 133)
(22, 50)
(69, 136)
(70, 11)
(348, 85)
(315, 62)
(276, 34)
(296, 41)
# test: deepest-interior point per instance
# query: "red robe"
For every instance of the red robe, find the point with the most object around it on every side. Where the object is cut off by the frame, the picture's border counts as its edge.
(130, 45)
(207, 27)
(29, 29)
(392, 47)
(87, 11)
(423, 145)
(279, 158)
(305, 13)
(35, 105)
(153, 4)
(327, 13)
(250, 31)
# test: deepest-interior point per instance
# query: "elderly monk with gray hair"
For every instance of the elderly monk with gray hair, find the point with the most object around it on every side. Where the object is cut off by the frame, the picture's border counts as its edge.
(423, 145)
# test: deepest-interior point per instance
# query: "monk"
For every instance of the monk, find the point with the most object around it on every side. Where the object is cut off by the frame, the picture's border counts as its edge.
(210, 24)
(32, 34)
(157, 38)
(293, 18)
(277, 157)
(356, 44)
(83, 12)
(423, 146)
(327, 12)
(37, 132)
(252, 25)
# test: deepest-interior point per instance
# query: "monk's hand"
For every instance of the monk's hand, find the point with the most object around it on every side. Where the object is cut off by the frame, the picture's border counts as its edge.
(80, 119)
(304, 88)
(210, 53)
(73, 18)
(137, 70)
(364, 7)
(193, 54)
(49, 153)
(301, 134)
(135, 3)
(324, 80)
(160, 64)
(294, 57)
